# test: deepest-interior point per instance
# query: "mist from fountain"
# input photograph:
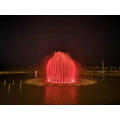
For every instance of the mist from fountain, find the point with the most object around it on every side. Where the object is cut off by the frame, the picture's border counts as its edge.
(61, 68)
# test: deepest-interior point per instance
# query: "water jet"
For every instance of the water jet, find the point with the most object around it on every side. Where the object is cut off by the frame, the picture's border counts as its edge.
(61, 68)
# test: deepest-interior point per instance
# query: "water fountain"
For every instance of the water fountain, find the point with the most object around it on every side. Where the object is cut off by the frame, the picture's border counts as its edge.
(61, 68)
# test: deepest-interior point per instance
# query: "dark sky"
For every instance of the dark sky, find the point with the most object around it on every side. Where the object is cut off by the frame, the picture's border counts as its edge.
(28, 39)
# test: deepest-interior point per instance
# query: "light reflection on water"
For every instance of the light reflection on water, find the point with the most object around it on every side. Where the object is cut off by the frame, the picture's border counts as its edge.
(14, 91)
(60, 95)
(7, 86)
(52, 95)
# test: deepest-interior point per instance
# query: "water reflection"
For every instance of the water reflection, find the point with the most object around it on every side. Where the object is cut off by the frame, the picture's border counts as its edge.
(60, 95)
(13, 82)
(10, 85)
(4, 83)
(20, 85)
(90, 90)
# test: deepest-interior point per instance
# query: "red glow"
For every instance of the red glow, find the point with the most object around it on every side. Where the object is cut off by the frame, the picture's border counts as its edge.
(60, 95)
(61, 69)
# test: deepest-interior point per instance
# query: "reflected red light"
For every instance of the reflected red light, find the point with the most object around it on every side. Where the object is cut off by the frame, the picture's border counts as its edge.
(60, 95)
(61, 68)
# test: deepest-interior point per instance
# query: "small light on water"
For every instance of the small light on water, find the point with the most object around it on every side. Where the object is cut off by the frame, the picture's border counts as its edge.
(72, 80)
(48, 80)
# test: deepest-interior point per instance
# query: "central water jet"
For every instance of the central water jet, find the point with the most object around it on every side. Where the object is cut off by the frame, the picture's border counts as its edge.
(61, 68)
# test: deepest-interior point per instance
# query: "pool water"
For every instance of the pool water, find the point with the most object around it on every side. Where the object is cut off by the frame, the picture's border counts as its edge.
(13, 91)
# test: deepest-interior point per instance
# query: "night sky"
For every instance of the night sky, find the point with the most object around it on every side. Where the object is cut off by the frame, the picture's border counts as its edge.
(26, 40)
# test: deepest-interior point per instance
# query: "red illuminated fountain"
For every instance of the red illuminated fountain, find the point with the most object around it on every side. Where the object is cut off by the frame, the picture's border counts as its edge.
(61, 68)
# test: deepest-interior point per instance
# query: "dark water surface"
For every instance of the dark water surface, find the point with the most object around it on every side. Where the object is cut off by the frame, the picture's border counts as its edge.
(13, 91)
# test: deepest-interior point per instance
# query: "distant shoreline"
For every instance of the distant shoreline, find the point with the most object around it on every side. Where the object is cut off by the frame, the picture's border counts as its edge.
(99, 73)
(88, 72)
(15, 72)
